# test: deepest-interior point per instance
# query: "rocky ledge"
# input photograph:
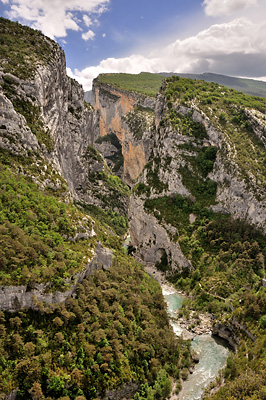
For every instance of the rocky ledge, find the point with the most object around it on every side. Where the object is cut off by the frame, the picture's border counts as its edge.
(14, 298)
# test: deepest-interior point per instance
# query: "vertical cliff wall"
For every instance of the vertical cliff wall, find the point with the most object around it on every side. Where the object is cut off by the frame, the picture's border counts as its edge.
(44, 116)
(128, 116)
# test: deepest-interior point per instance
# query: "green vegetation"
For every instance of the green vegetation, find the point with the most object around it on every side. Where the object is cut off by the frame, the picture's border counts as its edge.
(139, 120)
(22, 48)
(184, 124)
(35, 169)
(248, 86)
(228, 112)
(116, 189)
(153, 180)
(116, 330)
(33, 231)
(228, 259)
(110, 218)
(145, 83)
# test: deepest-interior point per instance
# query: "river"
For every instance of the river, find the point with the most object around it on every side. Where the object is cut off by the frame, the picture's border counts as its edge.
(212, 353)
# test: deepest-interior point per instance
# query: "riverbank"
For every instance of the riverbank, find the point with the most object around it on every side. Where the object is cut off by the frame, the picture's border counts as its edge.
(209, 356)
(196, 324)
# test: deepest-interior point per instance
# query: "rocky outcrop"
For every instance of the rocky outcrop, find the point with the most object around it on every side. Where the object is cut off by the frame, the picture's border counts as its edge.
(46, 116)
(226, 332)
(15, 135)
(121, 113)
(126, 391)
(232, 331)
(14, 298)
(10, 396)
(243, 197)
(153, 239)
(235, 196)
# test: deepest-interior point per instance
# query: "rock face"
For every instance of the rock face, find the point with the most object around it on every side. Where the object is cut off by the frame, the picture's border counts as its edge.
(15, 135)
(228, 333)
(61, 115)
(155, 154)
(163, 176)
(153, 239)
(14, 298)
(128, 116)
(126, 391)
(46, 116)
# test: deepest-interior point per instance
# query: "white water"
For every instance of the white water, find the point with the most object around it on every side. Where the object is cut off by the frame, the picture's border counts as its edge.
(212, 354)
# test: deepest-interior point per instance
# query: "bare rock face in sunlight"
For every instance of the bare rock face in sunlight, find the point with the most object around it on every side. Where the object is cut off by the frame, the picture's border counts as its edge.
(46, 116)
(129, 116)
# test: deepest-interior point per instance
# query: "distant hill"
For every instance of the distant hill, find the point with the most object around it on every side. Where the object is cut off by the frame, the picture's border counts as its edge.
(149, 84)
(145, 82)
(247, 86)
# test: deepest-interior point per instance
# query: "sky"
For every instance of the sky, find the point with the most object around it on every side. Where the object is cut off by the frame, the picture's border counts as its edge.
(186, 36)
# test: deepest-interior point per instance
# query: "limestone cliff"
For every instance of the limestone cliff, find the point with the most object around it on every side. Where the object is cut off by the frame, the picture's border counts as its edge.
(44, 116)
(155, 241)
(188, 149)
(240, 189)
(198, 156)
(128, 116)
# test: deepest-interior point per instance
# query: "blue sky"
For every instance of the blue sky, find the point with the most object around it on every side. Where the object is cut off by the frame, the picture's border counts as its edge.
(222, 36)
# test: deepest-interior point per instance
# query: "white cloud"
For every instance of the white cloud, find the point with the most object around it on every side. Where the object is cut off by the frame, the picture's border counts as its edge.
(216, 8)
(104, 35)
(236, 48)
(54, 18)
(88, 35)
(87, 20)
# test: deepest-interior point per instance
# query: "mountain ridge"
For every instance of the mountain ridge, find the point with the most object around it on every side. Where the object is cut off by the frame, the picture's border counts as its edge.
(248, 86)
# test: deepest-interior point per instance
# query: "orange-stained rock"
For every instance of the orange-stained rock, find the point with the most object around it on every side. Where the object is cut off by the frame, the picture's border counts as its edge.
(111, 105)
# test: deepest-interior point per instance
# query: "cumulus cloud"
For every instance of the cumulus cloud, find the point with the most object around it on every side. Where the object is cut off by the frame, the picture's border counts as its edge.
(234, 48)
(88, 35)
(87, 20)
(54, 18)
(216, 8)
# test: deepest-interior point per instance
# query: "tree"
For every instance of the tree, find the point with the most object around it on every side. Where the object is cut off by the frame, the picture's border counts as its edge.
(36, 391)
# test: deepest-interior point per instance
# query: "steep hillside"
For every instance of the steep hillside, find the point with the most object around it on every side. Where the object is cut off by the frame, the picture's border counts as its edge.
(197, 210)
(79, 317)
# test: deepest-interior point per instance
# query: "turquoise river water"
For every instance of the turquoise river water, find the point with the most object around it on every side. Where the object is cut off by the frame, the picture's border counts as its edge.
(212, 353)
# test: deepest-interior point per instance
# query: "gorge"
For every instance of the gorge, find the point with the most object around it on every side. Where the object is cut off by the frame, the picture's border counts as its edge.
(177, 164)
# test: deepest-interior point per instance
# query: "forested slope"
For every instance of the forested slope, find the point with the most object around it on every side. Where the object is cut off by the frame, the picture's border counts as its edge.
(63, 216)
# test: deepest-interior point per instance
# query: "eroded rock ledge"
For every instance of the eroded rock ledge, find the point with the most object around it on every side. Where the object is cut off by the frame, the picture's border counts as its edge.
(14, 298)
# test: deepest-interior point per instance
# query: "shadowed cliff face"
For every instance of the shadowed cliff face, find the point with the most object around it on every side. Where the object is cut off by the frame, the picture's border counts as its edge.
(118, 113)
